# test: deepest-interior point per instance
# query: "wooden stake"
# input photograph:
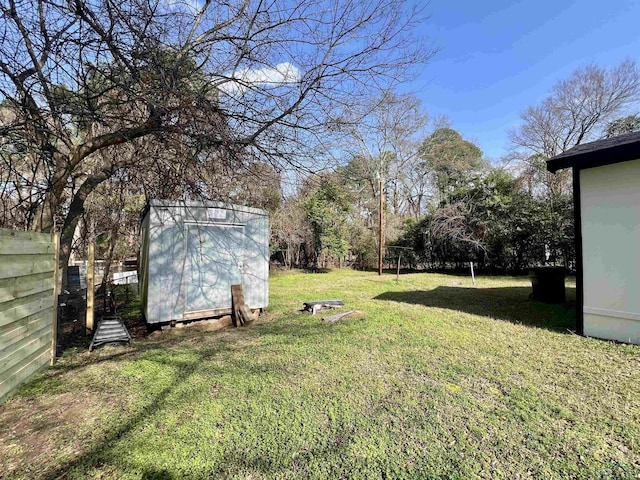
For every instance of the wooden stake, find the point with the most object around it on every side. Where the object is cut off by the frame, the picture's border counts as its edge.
(381, 219)
(398, 271)
(56, 278)
(90, 287)
(473, 277)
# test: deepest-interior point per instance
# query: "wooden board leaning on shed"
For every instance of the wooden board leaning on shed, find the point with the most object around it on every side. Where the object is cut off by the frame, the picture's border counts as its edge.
(28, 291)
(241, 313)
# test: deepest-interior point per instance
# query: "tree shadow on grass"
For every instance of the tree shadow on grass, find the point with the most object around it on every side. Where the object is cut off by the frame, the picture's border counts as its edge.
(95, 454)
(100, 453)
(511, 304)
(117, 352)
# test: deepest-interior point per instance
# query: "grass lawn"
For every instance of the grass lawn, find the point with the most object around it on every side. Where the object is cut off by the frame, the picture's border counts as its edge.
(437, 379)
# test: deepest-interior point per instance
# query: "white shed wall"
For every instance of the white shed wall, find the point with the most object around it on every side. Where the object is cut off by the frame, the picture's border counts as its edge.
(610, 209)
(193, 252)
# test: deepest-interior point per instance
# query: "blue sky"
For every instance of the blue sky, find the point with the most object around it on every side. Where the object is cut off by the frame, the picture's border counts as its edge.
(498, 57)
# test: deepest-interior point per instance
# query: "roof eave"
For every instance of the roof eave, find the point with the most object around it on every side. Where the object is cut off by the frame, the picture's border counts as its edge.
(595, 158)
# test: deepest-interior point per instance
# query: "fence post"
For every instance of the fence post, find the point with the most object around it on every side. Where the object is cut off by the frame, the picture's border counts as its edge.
(56, 280)
(90, 287)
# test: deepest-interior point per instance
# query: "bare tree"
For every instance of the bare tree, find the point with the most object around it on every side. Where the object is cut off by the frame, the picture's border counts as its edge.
(458, 222)
(383, 141)
(384, 146)
(577, 110)
(290, 231)
(227, 80)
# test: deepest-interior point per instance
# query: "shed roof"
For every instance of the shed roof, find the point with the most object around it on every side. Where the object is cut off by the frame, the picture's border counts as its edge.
(202, 204)
(156, 202)
(601, 152)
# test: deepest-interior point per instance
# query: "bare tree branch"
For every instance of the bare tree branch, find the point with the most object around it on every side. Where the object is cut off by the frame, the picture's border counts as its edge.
(577, 110)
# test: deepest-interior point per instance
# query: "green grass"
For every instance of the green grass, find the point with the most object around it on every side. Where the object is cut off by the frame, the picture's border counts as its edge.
(438, 379)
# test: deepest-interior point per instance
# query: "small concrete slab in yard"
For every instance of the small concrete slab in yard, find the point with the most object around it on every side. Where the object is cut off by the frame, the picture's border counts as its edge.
(316, 306)
(340, 316)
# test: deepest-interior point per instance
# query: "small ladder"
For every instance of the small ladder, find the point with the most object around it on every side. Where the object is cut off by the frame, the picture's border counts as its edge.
(110, 330)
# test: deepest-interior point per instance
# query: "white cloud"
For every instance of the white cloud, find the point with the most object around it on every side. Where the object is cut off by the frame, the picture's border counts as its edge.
(191, 6)
(281, 74)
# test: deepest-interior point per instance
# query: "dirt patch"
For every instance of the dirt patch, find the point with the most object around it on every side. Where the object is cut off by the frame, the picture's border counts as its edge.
(35, 431)
(210, 325)
(207, 325)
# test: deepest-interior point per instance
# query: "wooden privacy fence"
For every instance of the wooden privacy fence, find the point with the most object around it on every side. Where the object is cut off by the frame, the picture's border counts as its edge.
(28, 280)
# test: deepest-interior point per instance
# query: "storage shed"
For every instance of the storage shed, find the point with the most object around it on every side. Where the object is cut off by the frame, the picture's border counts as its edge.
(606, 194)
(191, 254)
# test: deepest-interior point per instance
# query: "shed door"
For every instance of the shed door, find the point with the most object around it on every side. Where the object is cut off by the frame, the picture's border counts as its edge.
(214, 262)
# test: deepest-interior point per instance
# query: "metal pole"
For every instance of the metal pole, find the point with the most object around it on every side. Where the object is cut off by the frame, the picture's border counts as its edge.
(398, 271)
(381, 239)
(473, 277)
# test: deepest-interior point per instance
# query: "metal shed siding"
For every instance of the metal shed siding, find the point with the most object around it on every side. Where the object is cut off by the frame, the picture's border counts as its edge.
(196, 251)
(143, 273)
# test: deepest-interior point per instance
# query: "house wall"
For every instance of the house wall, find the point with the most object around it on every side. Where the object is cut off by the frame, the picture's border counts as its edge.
(610, 209)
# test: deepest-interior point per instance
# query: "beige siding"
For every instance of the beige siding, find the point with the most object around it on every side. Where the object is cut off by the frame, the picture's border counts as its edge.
(610, 199)
(27, 313)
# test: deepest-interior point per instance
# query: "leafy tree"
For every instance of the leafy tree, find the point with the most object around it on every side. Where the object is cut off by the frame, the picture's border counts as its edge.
(290, 232)
(360, 177)
(327, 209)
(628, 124)
(497, 223)
(450, 160)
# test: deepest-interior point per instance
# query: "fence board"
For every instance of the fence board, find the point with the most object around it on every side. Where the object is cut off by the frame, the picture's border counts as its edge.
(18, 287)
(27, 305)
(22, 301)
(11, 383)
(31, 306)
(23, 331)
(35, 331)
(17, 359)
(25, 265)
(7, 330)
(25, 247)
(18, 236)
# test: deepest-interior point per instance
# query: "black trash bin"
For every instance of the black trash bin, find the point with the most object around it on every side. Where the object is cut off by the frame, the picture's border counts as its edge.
(548, 284)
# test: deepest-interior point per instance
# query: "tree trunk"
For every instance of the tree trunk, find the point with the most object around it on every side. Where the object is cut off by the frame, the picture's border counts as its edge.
(45, 218)
(76, 209)
(112, 244)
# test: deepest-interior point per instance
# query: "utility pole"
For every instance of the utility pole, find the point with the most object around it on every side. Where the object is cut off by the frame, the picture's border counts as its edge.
(381, 221)
(367, 153)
